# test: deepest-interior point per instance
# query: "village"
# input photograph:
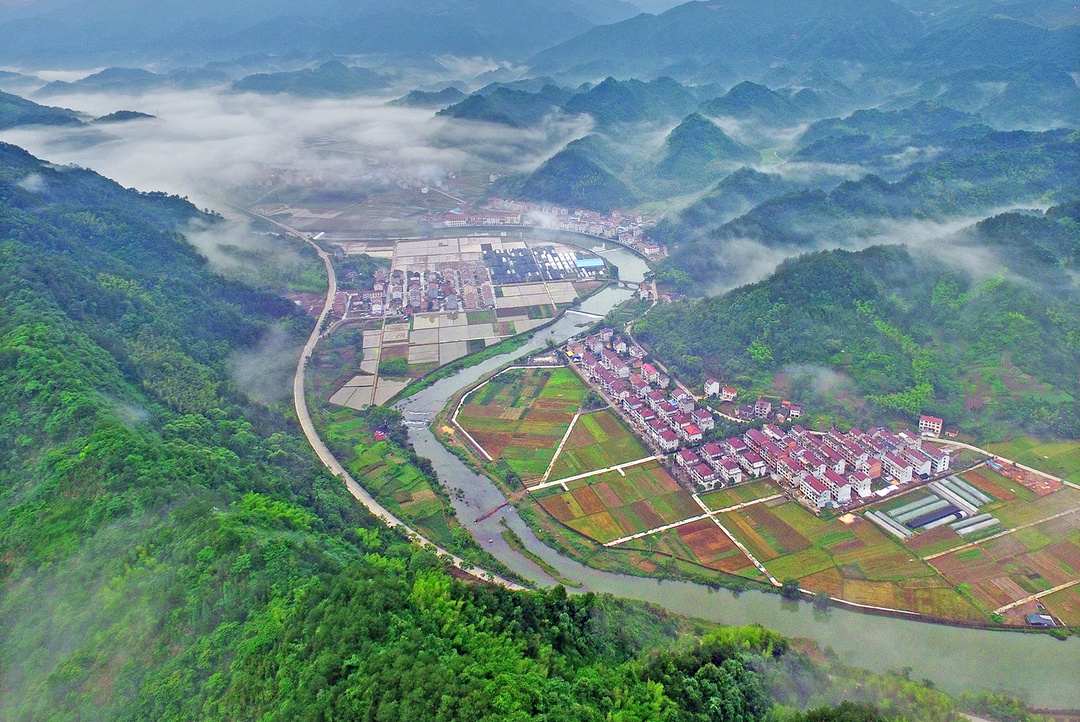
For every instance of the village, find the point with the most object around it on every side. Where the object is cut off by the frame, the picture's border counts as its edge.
(831, 469)
(453, 275)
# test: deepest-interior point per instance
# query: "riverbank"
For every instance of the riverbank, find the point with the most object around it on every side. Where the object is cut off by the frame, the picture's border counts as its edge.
(955, 658)
(646, 558)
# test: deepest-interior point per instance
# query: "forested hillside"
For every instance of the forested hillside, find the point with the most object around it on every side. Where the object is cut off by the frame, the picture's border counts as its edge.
(974, 177)
(980, 328)
(170, 550)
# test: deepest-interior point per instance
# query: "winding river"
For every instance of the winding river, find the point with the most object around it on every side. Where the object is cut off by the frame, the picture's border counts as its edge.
(1037, 668)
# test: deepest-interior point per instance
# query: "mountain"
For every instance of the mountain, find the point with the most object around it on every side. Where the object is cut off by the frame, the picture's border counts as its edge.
(429, 99)
(135, 80)
(610, 103)
(744, 36)
(107, 32)
(166, 544)
(696, 151)
(577, 176)
(920, 120)
(16, 111)
(123, 116)
(753, 102)
(614, 102)
(996, 40)
(734, 195)
(330, 79)
(972, 328)
(890, 141)
(990, 171)
(19, 82)
(515, 108)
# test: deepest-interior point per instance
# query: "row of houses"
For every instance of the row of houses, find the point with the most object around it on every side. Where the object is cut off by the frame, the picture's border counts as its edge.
(832, 468)
(836, 467)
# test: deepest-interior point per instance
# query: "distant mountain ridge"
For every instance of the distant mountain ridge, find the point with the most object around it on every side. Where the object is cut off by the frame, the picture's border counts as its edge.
(332, 78)
(16, 111)
(107, 30)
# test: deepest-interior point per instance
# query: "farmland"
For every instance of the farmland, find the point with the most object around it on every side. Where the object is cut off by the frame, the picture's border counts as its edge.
(609, 506)
(1039, 552)
(521, 415)
(1059, 458)
(598, 440)
(850, 559)
(1028, 556)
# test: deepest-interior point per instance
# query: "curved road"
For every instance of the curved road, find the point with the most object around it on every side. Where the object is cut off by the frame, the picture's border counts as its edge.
(323, 452)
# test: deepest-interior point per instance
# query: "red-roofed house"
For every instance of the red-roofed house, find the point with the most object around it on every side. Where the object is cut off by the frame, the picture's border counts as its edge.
(691, 433)
(668, 441)
(930, 426)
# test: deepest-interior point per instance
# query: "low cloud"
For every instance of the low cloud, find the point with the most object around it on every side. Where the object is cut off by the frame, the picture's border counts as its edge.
(824, 381)
(746, 260)
(207, 143)
(34, 183)
(264, 373)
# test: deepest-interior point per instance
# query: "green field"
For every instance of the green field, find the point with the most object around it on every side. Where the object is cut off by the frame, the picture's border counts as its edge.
(855, 561)
(393, 481)
(520, 416)
(599, 440)
(740, 493)
(1059, 458)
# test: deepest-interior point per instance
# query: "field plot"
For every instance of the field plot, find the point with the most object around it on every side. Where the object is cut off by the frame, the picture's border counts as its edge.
(704, 543)
(740, 494)
(1060, 458)
(520, 416)
(399, 487)
(1065, 605)
(610, 506)
(855, 561)
(1043, 553)
(599, 440)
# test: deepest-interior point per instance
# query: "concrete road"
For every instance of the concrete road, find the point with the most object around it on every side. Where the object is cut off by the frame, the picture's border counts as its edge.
(324, 453)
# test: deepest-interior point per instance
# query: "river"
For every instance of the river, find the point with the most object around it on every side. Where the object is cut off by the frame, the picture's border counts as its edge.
(1037, 668)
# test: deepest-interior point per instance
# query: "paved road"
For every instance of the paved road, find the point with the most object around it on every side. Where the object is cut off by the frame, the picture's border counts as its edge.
(324, 453)
(689, 520)
(618, 467)
(996, 457)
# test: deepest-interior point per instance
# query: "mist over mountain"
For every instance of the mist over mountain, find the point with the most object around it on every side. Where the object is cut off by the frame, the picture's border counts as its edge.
(181, 30)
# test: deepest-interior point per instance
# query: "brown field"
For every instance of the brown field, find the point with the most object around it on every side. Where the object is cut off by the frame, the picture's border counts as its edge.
(588, 500)
(646, 514)
(1065, 605)
(558, 507)
(607, 494)
(980, 478)
(494, 442)
(704, 543)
